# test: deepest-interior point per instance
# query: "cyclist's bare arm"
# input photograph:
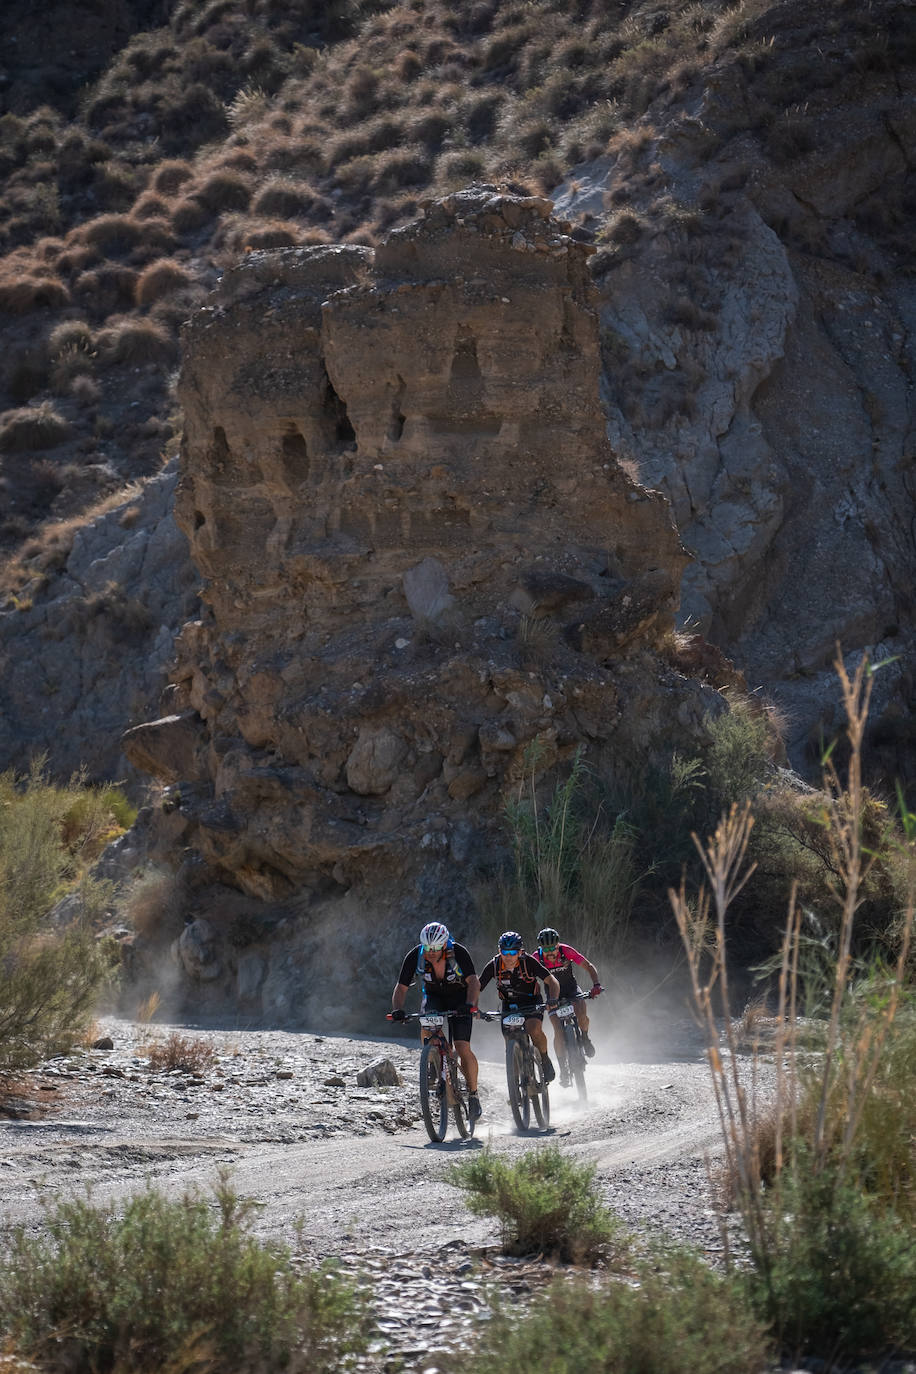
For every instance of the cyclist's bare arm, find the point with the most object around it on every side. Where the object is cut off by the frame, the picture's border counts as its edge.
(552, 988)
(399, 996)
(473, 989)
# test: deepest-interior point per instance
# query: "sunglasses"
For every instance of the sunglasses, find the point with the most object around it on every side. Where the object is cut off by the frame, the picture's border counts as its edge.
(511, 952)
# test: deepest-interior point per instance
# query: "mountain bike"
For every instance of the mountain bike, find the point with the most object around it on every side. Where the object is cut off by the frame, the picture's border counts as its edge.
(524, 1071)
(442, 1083)
(575, 1051)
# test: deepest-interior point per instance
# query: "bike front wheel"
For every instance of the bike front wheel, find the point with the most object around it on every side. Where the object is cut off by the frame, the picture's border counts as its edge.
(575, 1058)
(537, 1088)
(463, 1123)
(517, 1080)
(433, 1102)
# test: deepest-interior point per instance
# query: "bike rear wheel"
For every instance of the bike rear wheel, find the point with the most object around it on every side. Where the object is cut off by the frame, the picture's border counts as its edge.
(575, 1058)
(433, 1101)
(537, 1088)
(517, 1080)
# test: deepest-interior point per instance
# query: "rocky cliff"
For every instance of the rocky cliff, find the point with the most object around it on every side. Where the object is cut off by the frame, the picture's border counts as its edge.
(426, 580)
(759, 330)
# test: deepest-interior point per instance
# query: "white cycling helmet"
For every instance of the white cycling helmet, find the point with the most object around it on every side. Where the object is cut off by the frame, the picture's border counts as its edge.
(434, 936)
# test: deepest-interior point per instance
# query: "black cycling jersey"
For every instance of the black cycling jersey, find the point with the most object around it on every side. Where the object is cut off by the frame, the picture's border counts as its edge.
(519, 984)
(451, 990)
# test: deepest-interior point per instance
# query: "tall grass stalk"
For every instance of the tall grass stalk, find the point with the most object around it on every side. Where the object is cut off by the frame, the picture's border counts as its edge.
(821, 1180)
(580, 874)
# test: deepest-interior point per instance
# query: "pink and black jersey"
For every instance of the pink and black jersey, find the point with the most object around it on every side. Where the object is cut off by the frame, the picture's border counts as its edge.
(560, 962)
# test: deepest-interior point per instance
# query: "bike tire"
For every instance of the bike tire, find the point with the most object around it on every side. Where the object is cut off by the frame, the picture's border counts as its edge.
(540, 1095)
(575, 1058)
(463, 1122)
(433, 1102)
(518, 1085)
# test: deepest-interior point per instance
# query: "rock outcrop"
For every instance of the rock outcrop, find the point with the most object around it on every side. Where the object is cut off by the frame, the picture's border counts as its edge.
(759, 331)
(86, 653)
(427, 580)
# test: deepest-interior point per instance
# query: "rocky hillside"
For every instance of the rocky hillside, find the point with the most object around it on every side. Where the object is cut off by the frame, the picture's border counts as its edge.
(744, 171)
(428, 582)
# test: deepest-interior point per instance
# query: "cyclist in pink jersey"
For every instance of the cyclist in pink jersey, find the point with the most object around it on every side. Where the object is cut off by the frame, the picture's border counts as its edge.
(559, 958)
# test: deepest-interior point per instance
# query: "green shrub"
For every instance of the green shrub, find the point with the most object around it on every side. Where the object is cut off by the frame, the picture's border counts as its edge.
(739, 755)
(825, 1188)
(677, 1317)
(574, 867)
(838, 1276)
(545, 1202)
(48, 980)
(171, 1284)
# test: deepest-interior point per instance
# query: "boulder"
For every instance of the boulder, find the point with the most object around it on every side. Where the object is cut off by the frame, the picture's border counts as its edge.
(381, 1073)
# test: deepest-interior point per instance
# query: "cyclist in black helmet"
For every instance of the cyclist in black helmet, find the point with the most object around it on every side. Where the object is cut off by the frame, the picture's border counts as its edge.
(450, 983)
(559, 958)
(517, 974)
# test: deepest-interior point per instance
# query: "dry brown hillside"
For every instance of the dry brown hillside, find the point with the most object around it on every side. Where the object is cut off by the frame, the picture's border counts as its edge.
(746, 171)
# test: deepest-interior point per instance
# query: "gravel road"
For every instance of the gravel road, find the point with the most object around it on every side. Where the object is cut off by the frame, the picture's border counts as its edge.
(354, 1166)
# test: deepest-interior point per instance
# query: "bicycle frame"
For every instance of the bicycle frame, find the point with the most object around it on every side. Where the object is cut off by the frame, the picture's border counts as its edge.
(441, 1080)
(572, 1041)
(524, 1072)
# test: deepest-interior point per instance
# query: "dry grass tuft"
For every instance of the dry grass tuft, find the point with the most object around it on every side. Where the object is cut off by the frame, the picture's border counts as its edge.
(155, 908)
(181, 1053)
(171, 175)
(21, 295)
(151, 206)
(223, 190)
(282, 198)
(33, 427)
(136, 341)
(159, 279)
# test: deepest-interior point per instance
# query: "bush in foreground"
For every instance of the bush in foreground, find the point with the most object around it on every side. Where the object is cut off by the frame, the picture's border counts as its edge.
(49, 978)
(169, 1285)
(674, 1317)
(838, 1277)
(545, 1202)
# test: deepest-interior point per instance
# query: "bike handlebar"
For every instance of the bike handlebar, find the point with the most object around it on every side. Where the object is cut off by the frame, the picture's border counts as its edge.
(415, 1015)
(512, 1011)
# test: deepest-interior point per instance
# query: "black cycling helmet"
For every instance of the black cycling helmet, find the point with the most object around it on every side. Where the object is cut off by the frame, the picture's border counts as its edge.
(510, 942)
(548, 937)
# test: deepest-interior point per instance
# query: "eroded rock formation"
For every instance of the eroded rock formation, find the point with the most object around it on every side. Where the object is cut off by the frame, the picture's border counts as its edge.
(421, 558)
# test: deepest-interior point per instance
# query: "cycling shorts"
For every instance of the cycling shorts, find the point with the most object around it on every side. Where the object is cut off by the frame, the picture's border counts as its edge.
(461, 1025)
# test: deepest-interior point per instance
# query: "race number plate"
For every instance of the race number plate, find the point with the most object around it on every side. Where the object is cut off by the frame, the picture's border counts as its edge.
(565, 1012)
(431, 1020)
(513, 1020)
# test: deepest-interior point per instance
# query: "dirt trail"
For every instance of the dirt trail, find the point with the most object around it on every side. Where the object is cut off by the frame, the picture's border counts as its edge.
(284, 1113)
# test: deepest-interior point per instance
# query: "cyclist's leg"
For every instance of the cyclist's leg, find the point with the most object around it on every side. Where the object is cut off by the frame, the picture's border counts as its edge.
(461, 1027)
(582, 1014)
(536, 1031)
(468, 1061)
(558, 1044)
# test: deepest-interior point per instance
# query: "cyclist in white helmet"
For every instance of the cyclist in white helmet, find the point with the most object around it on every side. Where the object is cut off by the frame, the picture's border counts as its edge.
(450, 983)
